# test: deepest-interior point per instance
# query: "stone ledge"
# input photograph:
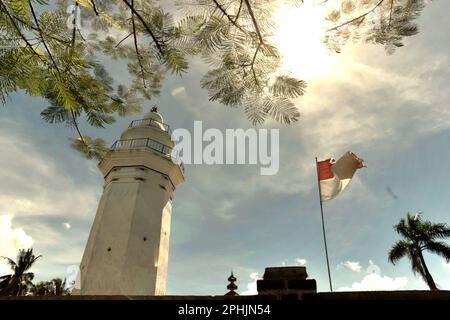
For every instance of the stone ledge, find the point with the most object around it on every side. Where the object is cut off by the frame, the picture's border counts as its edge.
(379, 295)
(263, 285)
(440, 295)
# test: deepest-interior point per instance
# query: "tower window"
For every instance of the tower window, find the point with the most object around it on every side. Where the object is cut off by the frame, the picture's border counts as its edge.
(139, 178)
(109, 249)
(115, 179)
(162, 187)
(145, 238)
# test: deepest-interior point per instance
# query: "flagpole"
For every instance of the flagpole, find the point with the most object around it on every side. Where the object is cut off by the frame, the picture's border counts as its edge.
(323, 227)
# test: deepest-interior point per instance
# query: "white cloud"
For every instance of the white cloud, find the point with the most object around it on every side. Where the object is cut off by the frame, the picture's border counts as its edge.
(376, 282)
(352, 265)
(418, 284)
(11, 240)
(300, 262)
(362, 112)
(223, 209)
(43, 194)
(177, 91)
(251, 286)
(34, 185)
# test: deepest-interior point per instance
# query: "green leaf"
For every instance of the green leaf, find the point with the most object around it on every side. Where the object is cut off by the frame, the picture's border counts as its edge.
(176, 61)
(286, 86)
(90, 148)
(55, 114)
(64, 96)
(282, 110)
(21, 9)
(99, 119)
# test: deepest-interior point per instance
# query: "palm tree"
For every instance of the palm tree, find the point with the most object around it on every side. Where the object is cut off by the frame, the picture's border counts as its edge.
(59, 287)
(56, 287)
(19, 281)
(419, 236)
(40, 289)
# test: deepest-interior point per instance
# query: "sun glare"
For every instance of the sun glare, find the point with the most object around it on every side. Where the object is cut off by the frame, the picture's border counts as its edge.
(299, 38)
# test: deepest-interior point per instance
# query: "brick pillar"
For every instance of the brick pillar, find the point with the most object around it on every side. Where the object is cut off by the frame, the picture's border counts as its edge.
(286, 283)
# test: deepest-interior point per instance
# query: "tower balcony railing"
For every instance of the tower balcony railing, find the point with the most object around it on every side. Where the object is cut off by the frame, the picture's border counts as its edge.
(154, 145)
(150, 123)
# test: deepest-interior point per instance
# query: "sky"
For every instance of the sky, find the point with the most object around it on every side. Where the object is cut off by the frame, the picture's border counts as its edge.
(392, 110)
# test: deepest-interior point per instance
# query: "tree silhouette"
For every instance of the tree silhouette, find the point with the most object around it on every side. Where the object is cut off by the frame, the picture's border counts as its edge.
(420, 236)
(17, 283)
(55, 287)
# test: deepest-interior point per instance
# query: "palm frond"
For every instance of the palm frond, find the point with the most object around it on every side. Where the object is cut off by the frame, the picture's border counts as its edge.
(398, 251)
(403, 228)
(12, 264)
(440, 248)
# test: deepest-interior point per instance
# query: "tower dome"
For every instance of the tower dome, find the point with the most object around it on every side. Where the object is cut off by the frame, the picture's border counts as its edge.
(153, 114)
(150, 128)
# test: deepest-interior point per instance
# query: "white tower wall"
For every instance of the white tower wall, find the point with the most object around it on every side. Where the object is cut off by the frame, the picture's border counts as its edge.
(128, 246)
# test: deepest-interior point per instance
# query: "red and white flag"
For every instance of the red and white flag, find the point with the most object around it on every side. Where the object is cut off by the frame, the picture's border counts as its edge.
(334, 176)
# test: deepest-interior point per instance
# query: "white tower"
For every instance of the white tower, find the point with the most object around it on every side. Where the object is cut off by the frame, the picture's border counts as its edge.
(128, 247)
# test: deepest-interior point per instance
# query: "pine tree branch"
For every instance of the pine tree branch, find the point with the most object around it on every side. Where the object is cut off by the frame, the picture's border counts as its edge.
(35, 29)
(74, 37)
(255, 23)
(18, 38)
(39, 30)
(94, 7)
(225, 13)
(120, 42)
(56, 67)
(261, 40)
(252, 65)
(75, 124)
(139, 57)
(149, 30)
(74, 120)
(22, 36)
(357, 18)
(81, 35)
(239, 11)
(73, 115)
(390, 14)
(74, 22)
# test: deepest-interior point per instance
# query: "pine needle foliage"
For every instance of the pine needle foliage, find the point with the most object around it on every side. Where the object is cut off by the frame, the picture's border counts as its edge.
(62, 55)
